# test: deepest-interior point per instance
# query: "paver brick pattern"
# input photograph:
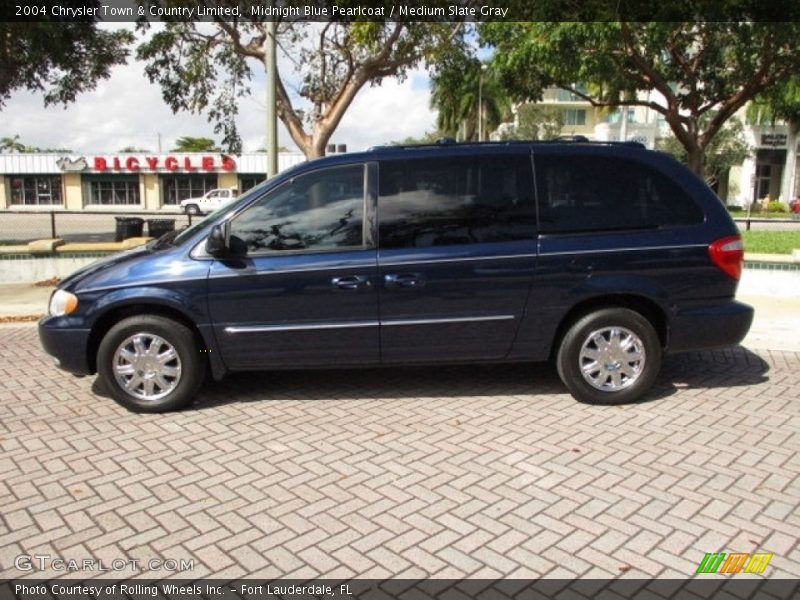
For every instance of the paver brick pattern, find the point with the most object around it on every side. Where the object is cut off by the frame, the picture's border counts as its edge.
(475, 471)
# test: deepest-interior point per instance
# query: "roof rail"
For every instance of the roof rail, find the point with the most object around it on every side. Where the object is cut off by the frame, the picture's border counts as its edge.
(562, 139)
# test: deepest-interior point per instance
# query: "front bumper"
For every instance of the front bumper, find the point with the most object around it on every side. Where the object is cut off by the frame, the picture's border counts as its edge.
(710, 326)
(68, 345)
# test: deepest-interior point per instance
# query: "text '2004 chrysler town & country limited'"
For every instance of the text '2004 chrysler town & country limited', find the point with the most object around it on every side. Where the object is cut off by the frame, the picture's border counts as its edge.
(599, 256)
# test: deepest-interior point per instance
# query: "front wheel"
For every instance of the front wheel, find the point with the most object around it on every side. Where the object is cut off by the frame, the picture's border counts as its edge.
(150, 364)
(611, 356)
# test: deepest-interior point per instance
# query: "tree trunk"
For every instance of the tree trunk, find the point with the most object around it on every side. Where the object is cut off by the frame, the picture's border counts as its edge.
(695, 161)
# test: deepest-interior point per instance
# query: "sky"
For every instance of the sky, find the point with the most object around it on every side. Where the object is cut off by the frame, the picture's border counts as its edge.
(127, 110)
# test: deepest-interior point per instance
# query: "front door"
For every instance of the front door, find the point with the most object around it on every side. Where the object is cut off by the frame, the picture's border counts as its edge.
(304, 294)
(457, 254)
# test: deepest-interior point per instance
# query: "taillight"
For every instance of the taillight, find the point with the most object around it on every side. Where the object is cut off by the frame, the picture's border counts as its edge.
(728, 254)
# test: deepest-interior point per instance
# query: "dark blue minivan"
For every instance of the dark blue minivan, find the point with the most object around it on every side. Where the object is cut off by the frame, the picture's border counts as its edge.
(599, 256)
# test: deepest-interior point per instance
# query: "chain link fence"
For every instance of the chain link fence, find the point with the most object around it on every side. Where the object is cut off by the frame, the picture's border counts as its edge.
(20, 227)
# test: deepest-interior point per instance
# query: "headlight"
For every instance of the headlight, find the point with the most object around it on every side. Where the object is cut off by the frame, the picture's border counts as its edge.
(62, 303)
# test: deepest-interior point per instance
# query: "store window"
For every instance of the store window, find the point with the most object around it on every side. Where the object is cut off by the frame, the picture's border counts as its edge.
(181, 187)
(113, 191)
(247, 182)
(36, 190)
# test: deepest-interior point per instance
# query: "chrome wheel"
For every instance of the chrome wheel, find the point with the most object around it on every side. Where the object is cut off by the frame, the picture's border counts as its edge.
(146, 366)
(611, 358)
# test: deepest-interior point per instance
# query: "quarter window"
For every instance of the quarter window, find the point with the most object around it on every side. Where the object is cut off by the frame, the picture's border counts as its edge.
(590, 193)
(455, 200)
(323, 210)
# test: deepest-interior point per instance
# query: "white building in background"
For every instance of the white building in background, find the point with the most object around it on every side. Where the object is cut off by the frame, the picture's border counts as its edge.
(126, 182)
(771, 169)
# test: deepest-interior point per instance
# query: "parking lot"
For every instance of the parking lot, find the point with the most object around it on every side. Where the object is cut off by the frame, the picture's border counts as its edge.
(444, 472)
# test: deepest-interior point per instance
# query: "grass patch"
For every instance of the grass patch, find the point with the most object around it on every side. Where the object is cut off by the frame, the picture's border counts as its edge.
(771, 242)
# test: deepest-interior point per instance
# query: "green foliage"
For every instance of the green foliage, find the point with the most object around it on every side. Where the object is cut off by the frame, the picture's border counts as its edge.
(60, 58)
(536, 123)
(428, 137)
(195, 144)
(207, 67)
(698, 68)
(777, 207)
(463, 89)
(13, 145)
(727, 149)
(778, 103)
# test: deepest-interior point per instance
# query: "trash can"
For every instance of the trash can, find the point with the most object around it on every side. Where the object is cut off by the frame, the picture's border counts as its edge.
(128, 227)
(158, 227)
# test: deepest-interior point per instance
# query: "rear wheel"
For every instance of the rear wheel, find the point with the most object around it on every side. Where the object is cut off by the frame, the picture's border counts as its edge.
(611, 356)
(150, 363)
(192, 209)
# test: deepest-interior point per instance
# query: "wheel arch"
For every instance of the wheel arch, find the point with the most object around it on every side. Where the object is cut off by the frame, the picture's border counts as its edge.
(114, 314)
(642, 305)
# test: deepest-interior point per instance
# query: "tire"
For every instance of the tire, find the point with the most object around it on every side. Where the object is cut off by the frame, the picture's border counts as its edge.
(611, 356)
(192, 209)
(153, 384)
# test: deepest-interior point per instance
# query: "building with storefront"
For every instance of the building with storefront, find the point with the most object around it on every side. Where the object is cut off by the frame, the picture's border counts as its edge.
(125, 182)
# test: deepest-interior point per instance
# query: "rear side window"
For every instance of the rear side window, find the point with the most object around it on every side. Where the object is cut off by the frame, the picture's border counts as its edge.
(596, 193)
(455, 200)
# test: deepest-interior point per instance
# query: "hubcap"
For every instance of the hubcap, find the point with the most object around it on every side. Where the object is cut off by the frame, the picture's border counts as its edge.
(147, 366)
(611, 358)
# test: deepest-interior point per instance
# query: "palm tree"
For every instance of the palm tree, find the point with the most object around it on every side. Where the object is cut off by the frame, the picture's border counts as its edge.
(9, 144)
(456, 91)
(194, 144)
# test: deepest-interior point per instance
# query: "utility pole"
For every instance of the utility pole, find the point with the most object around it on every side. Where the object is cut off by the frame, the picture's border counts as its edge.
(272, 117)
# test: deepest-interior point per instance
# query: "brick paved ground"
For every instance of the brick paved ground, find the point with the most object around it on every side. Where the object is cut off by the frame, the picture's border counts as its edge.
(474, 471)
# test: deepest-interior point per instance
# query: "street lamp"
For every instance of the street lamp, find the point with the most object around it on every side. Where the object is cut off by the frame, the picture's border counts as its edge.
(480, 102)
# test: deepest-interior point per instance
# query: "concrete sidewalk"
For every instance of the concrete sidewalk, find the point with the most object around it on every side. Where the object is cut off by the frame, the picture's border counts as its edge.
(777, 318)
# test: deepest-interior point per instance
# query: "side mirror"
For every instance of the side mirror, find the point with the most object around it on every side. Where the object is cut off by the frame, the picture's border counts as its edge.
(217, 243)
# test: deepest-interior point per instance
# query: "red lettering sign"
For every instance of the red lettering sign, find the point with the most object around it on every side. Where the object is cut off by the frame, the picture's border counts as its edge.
(169, 163)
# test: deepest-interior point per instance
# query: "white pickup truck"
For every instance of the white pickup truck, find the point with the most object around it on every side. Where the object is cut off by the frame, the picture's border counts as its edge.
(211, 201)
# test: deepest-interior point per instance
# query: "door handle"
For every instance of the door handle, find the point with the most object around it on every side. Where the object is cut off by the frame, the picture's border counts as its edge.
(404, 281)
(351, 283)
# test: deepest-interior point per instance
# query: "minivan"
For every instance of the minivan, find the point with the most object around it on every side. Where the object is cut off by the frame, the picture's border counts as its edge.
(601, 257)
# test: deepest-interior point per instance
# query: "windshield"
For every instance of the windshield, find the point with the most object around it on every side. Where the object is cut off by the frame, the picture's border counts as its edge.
(188, 232)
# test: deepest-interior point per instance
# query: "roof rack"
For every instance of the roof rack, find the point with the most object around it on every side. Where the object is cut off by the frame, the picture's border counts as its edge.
(562, 139)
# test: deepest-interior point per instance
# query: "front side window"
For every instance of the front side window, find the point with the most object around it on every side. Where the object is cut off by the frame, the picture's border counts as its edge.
(322, 210)
(35, 191)
(594, 193)
(455, 200)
